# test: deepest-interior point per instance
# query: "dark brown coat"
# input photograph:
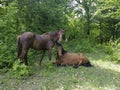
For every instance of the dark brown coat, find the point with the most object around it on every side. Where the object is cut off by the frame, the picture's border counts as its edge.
(38, 42)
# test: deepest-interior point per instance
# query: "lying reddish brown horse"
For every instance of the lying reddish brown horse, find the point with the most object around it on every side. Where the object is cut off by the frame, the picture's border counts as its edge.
(73, 59)
(38, 42)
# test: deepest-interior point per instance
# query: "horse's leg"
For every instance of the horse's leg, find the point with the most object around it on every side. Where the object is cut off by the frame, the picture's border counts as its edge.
(49, 53)
(19, 48)
(75, 66)
(23, 56)
(42, 57)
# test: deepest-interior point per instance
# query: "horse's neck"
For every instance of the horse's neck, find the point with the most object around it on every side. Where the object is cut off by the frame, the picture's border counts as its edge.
(53, 36)
(62, 51)
(59, 45)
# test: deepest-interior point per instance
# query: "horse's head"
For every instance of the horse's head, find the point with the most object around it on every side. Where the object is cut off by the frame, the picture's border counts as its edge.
(60, 33)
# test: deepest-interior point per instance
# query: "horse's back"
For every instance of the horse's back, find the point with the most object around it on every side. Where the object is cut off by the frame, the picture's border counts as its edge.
(27, 38)
(42, 41)
(39, 42)
(27, 35)
(74, 58)
(70, 58)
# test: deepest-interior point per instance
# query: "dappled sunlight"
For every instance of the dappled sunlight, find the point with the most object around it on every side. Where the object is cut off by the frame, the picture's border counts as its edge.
(48, 77)
(107, 65)
(87, 86)
(103, 75)
(90, 87)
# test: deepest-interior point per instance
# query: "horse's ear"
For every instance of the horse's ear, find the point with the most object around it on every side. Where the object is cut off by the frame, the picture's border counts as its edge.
(58, 29)
(61, 30)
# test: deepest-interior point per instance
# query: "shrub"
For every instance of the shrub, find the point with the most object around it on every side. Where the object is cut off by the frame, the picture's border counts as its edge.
(114, 58)
(84, 48)
(7, 56)
(109, 50)
(84, 45)
(112, 49)
(8, 36)
(20, 70)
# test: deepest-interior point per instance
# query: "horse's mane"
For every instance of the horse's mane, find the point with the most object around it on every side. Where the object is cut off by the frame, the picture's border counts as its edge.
(47, 33)
(53, 33)
(63, 51)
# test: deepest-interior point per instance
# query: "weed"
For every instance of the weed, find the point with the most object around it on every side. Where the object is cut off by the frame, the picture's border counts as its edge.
(20, 70)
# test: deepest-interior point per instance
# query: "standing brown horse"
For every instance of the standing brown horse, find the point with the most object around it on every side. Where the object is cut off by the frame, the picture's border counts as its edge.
(75, 59)
(38, 42)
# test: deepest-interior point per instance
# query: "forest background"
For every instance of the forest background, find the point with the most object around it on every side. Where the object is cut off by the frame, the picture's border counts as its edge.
(91, 26)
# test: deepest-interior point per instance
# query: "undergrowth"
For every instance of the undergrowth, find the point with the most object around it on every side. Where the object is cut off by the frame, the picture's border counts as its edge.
(20, 70)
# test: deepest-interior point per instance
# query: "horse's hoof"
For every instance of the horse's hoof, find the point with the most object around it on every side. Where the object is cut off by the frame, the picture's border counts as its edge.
(63, 65)
(26, 64)
(53, 63)
(75, 66)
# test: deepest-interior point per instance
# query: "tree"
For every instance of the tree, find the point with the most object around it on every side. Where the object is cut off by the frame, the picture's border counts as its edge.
(108, 14)
(19, 16)
(88, 8)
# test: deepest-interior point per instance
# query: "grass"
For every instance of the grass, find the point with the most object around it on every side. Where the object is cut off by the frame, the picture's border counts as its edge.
(103, 76)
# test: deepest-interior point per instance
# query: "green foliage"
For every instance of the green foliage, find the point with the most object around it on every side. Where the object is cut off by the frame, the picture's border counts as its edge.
(79, 45)
(49, 66)
(8, 37)
(115, 58)
(84, 46)
(107, 16)
(20, 70)
(109, 50)
(112, 50)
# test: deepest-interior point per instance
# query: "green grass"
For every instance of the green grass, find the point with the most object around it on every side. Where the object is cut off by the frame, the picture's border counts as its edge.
(103, 76)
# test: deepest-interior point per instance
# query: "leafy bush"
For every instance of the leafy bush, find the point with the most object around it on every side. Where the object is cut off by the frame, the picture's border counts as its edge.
(109, 50)
(20, 70)
(112, 49)
(7, 55)
(8, 36)
(84, 47)
(114, 58)
(78, 45)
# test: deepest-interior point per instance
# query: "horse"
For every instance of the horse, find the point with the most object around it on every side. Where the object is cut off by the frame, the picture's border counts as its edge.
(64, 58)
(44, 42)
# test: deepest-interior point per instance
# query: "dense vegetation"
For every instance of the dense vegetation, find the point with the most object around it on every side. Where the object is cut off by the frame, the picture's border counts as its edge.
(91, 26)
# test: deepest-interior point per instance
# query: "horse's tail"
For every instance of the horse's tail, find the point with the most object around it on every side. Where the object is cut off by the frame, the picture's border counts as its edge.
(19, 48)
